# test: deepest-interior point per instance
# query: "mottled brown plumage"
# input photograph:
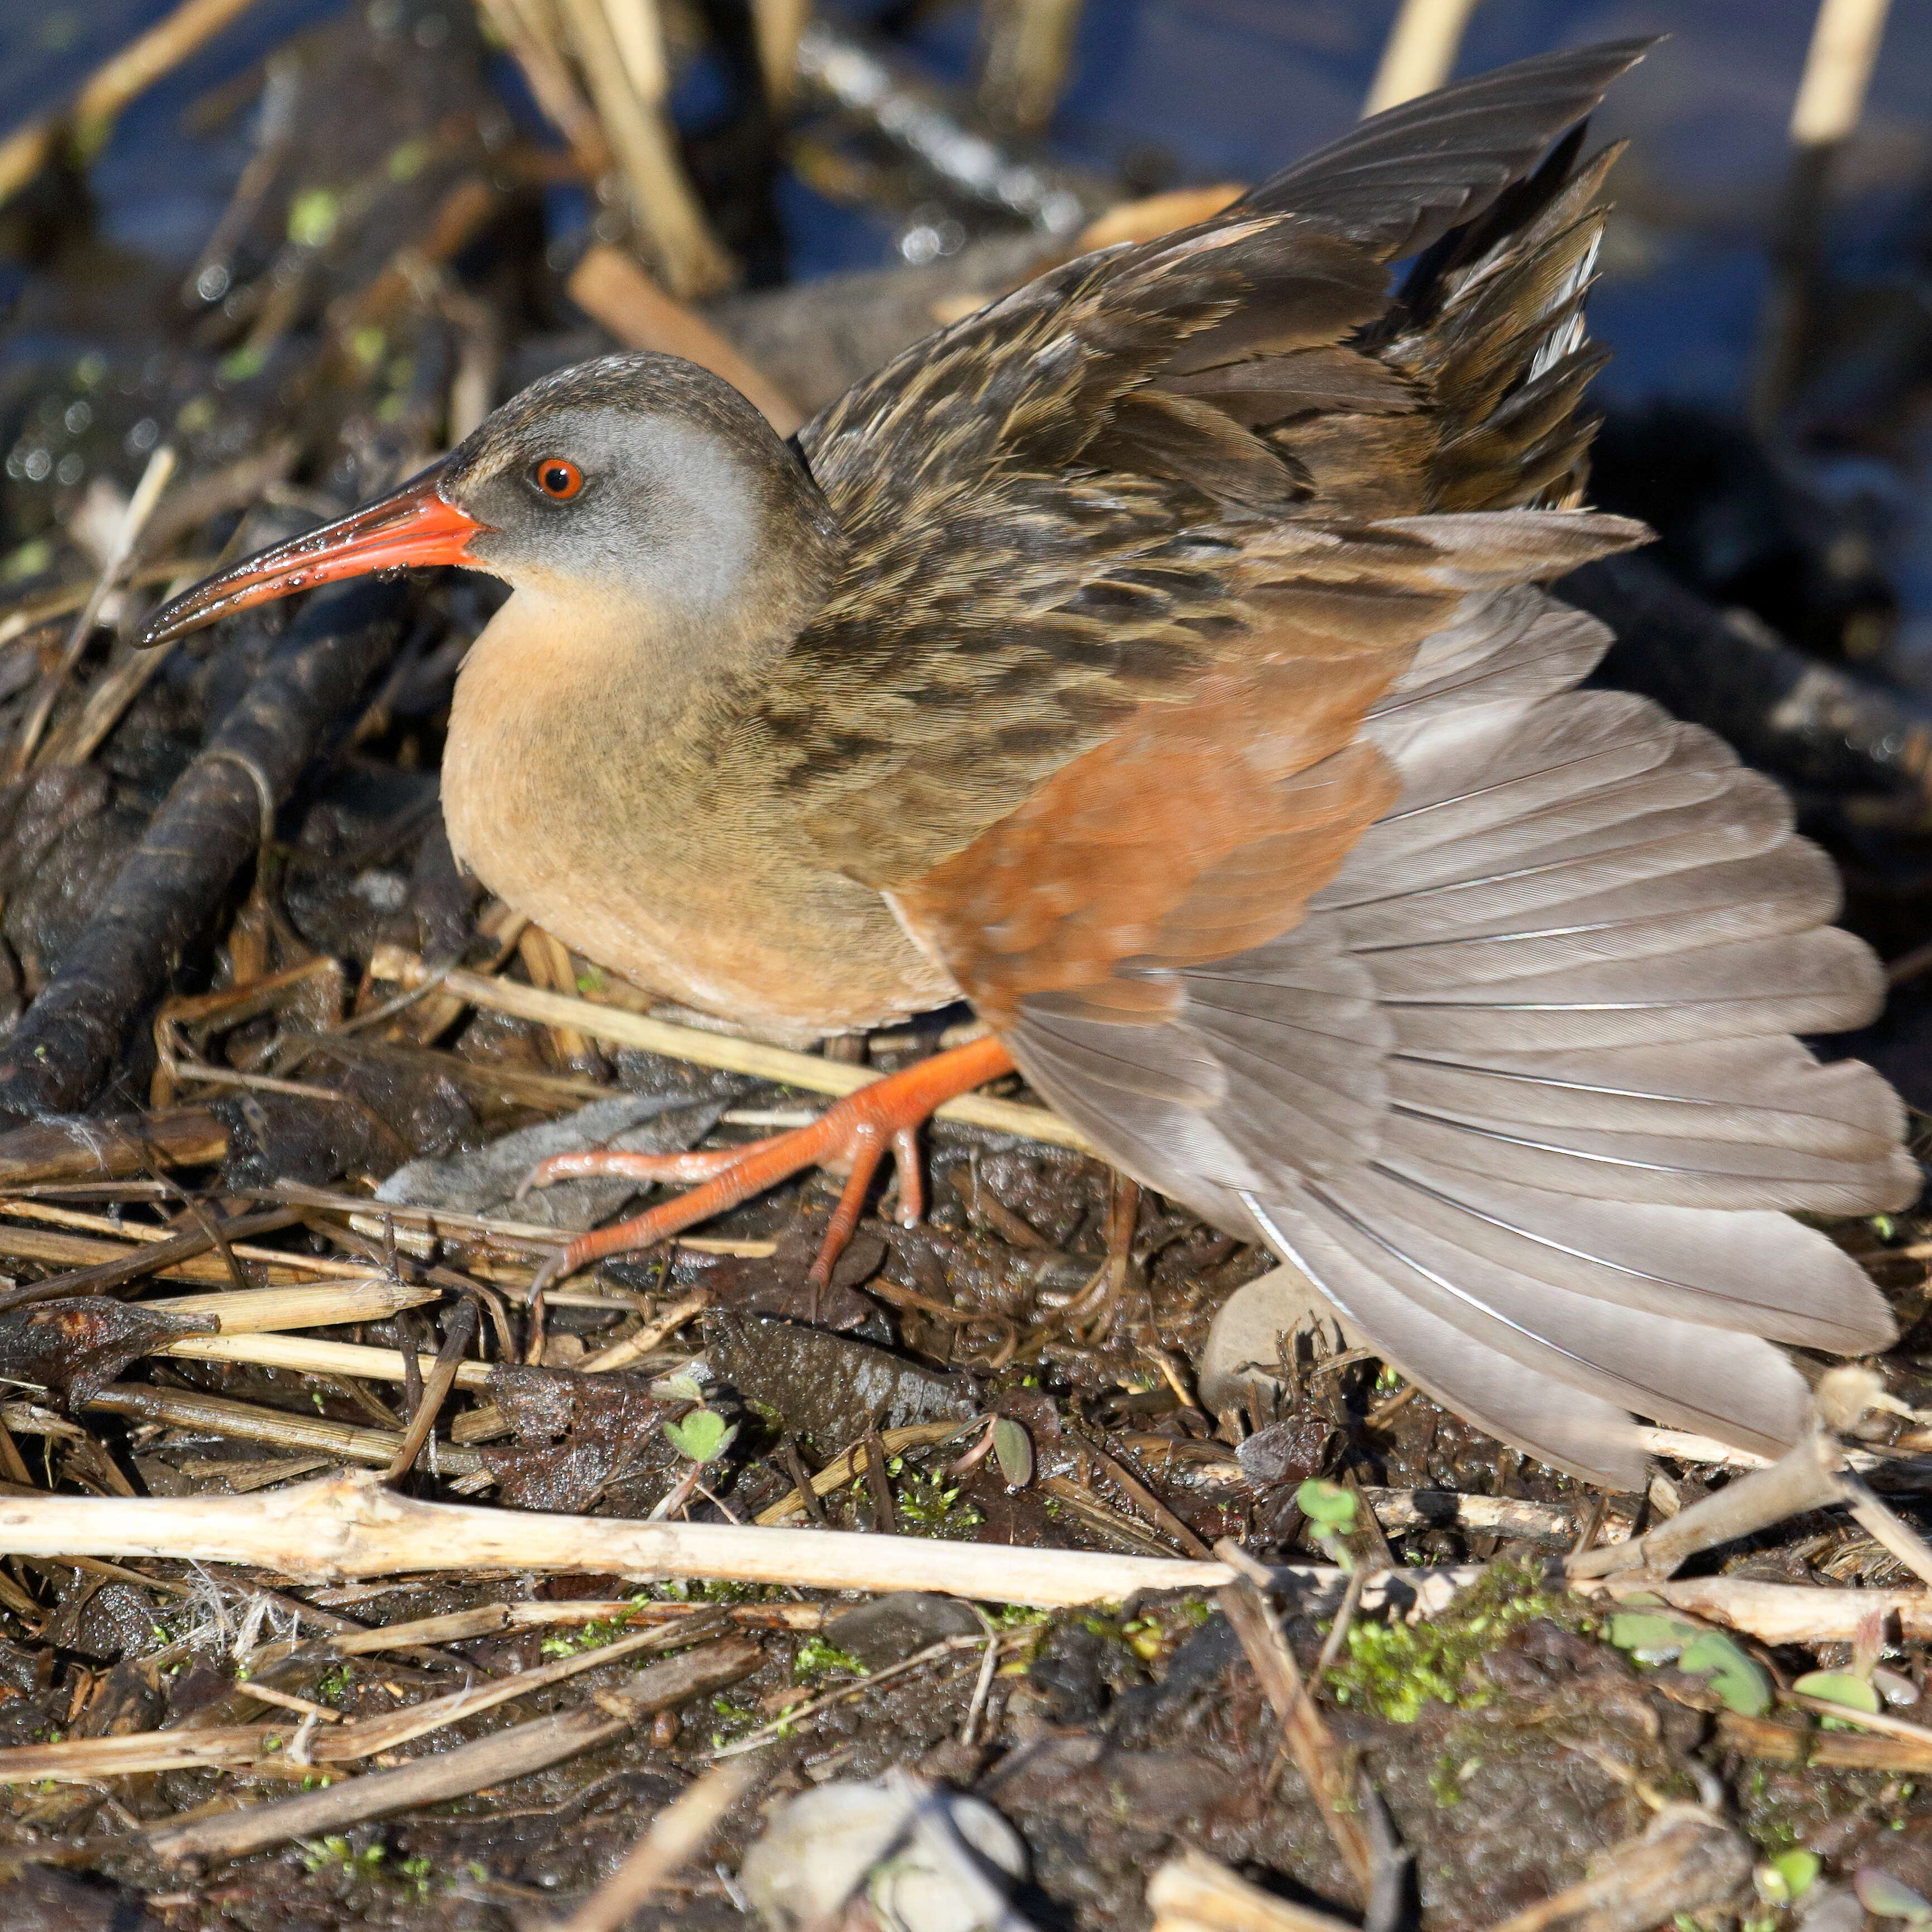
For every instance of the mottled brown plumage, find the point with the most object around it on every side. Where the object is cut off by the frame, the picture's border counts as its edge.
(1155, 657)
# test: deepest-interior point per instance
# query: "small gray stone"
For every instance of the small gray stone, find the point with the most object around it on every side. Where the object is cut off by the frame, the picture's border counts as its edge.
(890, 1629)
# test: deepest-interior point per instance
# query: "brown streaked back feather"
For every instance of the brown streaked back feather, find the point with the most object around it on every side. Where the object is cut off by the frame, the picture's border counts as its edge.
(1061, 508)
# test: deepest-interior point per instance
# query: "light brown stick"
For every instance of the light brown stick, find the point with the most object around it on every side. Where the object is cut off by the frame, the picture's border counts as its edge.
(640, 137)
(1307, 1739)
(349, 1525)
(710, 1049)
(112, 86)
(1419, 54)
(676, 1835)
(1195, 1893)
(1837, 71)
(612, 289)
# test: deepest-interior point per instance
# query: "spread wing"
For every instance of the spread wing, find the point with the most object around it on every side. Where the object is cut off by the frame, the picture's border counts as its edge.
(1175, 474)
(1215, 737)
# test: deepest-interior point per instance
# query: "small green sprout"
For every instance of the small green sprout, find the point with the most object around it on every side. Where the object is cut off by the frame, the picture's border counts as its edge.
(702, 1436)
(1739, 1681)
(1786, 1878)
(816, 1657)
(1840, 1687)
(1330, 1511)
(336, 1853)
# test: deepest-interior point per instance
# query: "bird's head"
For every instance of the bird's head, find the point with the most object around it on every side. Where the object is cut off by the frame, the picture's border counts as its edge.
(640, 484)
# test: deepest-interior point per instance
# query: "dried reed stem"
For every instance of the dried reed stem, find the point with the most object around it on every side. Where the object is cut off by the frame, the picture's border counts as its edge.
(613, 289)
(349, 1526)
(1838, 67)
(111, 86)
(675, 1837)
(641, 137)
(710, 1049)
(1420, 53)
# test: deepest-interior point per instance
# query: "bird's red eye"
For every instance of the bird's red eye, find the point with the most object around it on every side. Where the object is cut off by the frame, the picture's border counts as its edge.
(557, 477)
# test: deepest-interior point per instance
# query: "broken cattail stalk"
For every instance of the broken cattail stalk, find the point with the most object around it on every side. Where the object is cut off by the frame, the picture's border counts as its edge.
(31, 614)
(111, 86)
(633, 1348)
(710, 1049)
(1810, 1476)
(1401, 1512)
(51, 1151)
(88, 1760)
(140, 506)
(844, 1467)
(306, 1354)
(1420, 53)
(552, 85)
(675, 1837)
(1778, 1613)
(366, 1736)
(1773, 1743)
(1305, 1737)
(1025, 46)
(182, 1408)
(349, 1526)
(486, 1619)
(459, 1333)
(264, 1311)
(1837, 71)
(776, 24)
(1195, 1893)
(419, 1232)
(161, 1253)
(639, 135)
(613, 289)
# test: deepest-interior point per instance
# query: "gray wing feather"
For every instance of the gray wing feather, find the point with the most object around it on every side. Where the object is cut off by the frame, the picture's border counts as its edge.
(1521, 1093)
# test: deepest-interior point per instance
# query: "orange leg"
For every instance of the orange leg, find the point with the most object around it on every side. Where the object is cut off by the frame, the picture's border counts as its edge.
(855, 1133)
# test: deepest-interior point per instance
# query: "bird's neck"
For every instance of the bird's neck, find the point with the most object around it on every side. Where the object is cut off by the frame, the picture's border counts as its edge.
(607, 694)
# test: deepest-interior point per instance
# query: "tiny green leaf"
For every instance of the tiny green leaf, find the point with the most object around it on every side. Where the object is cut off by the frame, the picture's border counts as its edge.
(678, 1388)
(1741, 1684)
(703, 1435)
(1837, 1686)
(1328, 1507)
(1655, 1639)
(1797, 1871)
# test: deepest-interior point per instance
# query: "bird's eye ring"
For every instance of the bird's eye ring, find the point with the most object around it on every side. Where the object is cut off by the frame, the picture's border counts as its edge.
(557, 477)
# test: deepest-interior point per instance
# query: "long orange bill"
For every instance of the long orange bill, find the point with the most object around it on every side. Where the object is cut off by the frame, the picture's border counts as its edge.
(414, 525)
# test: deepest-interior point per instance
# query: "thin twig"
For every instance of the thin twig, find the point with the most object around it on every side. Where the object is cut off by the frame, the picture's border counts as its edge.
(676, 1836)
(778, 1063)
(112, 86)
(140, 507)
(459, 1333)
(787, 1721)
(1306, 1738)
(469, 1768)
